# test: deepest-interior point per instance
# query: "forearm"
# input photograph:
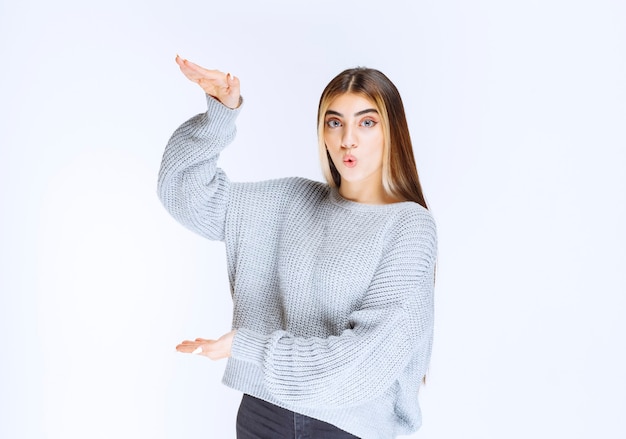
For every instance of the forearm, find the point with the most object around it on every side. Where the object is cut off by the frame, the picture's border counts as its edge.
(351, 368)
(190, 185)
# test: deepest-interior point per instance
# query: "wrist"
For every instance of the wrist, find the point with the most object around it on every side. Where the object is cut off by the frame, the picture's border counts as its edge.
(231, 104)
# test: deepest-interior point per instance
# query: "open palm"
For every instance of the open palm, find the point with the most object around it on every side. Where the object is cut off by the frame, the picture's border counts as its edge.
(222, 86)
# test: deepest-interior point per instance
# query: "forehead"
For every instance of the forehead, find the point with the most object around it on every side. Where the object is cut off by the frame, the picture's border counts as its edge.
(350, 102)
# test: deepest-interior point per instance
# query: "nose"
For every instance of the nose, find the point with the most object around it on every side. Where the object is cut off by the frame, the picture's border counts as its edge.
(347, 140)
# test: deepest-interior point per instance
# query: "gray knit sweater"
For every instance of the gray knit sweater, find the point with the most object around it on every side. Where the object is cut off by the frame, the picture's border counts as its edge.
(333, 300)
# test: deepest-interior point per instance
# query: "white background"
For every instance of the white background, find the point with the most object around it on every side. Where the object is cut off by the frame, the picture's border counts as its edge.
(518, 116)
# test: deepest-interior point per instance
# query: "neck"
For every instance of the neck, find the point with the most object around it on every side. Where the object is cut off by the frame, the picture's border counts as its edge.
(360, 193)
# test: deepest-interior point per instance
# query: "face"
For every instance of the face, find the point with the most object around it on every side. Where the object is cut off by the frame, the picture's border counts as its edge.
(354, 138)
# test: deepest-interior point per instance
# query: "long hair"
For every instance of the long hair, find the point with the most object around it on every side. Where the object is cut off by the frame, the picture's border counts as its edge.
(399, 173)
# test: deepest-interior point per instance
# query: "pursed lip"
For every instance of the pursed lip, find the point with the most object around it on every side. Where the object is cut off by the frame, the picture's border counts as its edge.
(349, 160)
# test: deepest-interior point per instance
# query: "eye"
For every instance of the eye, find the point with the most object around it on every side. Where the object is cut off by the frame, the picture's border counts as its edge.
(333, 123)
(368, 123)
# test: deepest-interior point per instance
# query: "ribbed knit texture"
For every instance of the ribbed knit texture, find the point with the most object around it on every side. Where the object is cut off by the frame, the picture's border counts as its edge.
(333, 300)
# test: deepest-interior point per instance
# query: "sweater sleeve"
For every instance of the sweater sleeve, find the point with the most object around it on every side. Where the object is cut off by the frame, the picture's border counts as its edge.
(190, 185)
(392, 326)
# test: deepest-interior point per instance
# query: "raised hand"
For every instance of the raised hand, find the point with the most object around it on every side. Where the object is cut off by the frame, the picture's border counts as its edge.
(222, 86)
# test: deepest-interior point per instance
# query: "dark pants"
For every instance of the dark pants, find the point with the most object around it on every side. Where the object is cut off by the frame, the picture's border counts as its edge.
(258, 419)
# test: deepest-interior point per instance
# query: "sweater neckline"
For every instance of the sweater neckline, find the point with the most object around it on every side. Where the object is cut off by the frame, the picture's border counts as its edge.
(338, 200)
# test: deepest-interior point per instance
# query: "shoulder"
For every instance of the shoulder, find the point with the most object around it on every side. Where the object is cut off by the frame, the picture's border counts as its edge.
(413, 226)
(412, 217)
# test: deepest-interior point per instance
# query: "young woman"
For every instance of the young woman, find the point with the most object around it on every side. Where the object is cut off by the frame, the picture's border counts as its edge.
(332, 284)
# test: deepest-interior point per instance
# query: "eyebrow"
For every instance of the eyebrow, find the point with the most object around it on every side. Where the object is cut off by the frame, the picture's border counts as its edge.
(358, 113)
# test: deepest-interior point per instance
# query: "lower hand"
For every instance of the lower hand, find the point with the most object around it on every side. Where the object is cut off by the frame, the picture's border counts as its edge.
(213, 349)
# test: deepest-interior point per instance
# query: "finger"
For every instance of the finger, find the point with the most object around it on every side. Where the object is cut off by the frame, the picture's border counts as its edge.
(206, 73)
(185, 349)
(187, 346)
(183, 62)
(189, 70)
(196, 349)
(188, 342)
(193, 65)
(194, 72)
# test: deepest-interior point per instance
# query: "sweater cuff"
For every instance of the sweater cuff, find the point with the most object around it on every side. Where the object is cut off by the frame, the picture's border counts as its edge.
(249, 346)
(220, 114)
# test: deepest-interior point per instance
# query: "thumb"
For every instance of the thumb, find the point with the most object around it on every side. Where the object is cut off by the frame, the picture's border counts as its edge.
(233, 95)
(232, 80)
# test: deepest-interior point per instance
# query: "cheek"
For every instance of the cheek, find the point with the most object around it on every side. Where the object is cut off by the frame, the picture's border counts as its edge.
(375, 144)
(330, 138)
(333, 146)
